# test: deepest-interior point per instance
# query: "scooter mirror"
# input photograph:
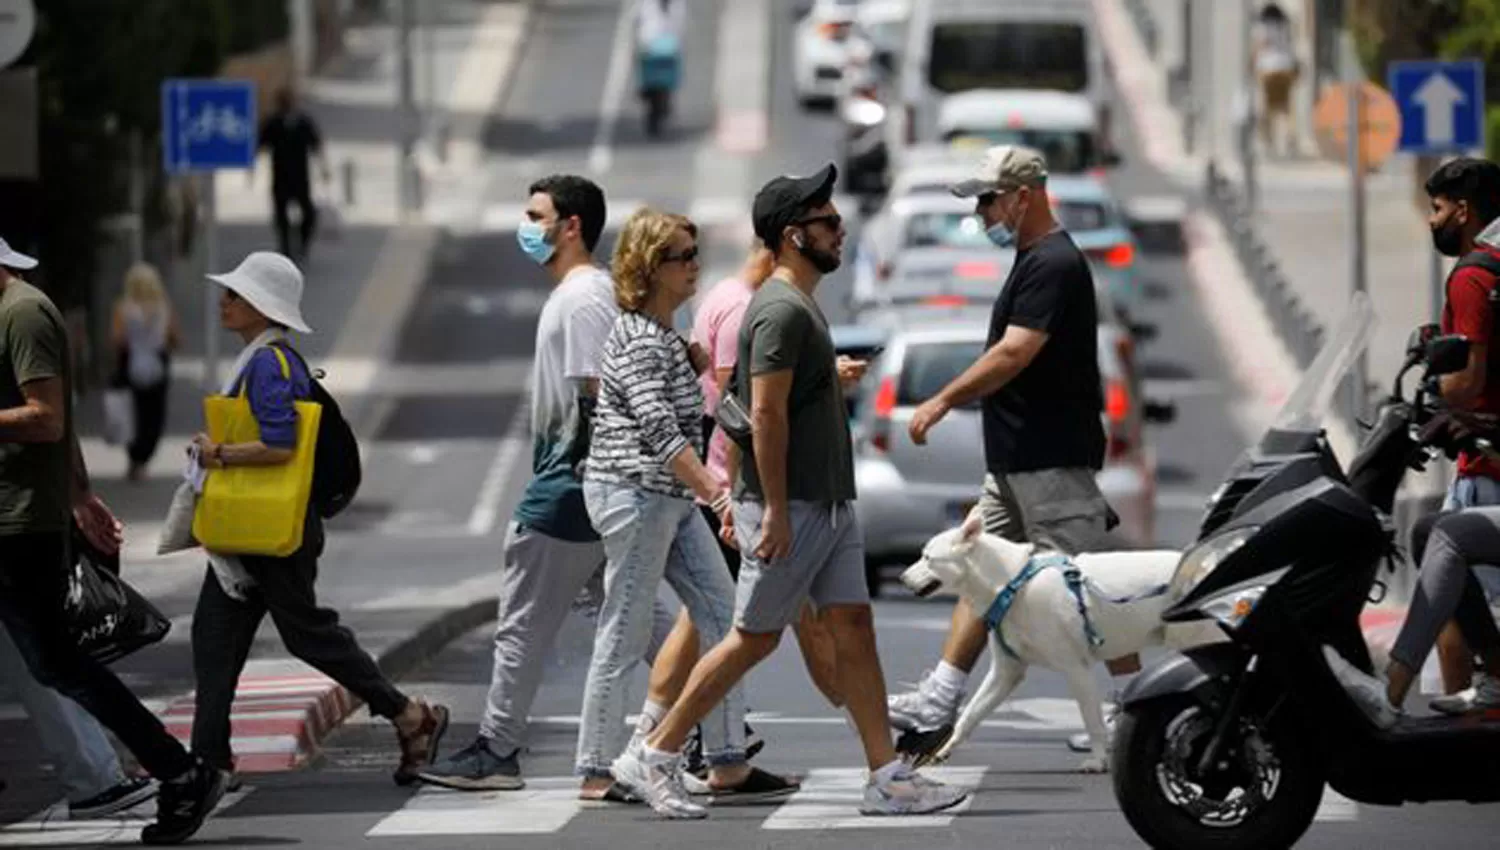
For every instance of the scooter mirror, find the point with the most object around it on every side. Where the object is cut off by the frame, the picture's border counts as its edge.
(1447, 355)
(1416, 344)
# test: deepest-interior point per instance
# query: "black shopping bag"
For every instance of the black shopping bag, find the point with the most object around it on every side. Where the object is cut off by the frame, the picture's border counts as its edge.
(107, 617)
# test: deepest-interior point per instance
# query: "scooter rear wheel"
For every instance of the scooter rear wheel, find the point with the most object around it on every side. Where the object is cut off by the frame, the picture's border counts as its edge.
(1262, 794)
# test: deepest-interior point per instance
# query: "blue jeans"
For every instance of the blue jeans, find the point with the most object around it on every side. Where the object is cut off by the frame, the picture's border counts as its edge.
(1477, 492)
(84, 758)
(647, 537)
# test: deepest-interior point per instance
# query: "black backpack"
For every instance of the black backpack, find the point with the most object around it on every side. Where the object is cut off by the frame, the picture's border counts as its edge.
(336, 470)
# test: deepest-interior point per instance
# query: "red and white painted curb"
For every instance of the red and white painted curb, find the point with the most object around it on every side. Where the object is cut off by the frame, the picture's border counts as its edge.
(276, 723)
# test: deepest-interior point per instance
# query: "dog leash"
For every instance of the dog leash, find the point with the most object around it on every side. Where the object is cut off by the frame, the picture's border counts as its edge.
(1076, 582)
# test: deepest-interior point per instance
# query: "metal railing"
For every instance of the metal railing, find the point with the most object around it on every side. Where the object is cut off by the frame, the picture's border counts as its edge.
(1301, 333)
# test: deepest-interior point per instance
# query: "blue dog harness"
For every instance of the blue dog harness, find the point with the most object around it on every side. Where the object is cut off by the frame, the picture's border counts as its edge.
(1076, 583)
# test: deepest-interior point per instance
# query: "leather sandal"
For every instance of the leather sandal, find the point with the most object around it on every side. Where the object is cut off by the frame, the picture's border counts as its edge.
(419, 748)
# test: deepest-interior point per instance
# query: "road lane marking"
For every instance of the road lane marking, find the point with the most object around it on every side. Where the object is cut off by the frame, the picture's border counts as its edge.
(601, 156)
(546, 805)
(502, 470)
(52, 828)
(1336, 808)
(830, 799)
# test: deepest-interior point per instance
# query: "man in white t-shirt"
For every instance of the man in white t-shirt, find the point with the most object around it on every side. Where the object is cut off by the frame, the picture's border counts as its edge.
(551, 550)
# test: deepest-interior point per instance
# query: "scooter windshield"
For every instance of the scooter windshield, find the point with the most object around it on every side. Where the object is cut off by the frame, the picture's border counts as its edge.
(1308, 405)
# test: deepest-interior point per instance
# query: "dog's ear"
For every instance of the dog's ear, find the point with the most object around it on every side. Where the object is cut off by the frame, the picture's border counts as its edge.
(973, 525)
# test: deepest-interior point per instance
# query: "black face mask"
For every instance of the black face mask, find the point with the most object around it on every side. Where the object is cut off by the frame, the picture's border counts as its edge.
(826, 262)
(1448, 237)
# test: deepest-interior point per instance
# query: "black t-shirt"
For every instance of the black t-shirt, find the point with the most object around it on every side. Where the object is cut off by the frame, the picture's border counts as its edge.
(292, 138)
(1050, 415)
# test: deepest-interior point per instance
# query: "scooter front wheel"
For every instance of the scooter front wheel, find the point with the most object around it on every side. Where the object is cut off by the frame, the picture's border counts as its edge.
(1261, 792)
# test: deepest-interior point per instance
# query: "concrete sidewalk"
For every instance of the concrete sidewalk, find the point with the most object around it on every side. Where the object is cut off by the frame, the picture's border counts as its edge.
(404, 593)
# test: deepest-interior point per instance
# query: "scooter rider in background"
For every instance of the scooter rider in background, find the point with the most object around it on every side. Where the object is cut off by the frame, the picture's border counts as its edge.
(1465, 222)
(659, 28)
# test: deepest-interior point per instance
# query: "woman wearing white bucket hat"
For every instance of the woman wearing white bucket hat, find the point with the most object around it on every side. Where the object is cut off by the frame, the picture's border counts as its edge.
(260, 301)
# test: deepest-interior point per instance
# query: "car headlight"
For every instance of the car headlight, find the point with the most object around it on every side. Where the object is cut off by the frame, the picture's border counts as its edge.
(1232, 607)
(1206, 557)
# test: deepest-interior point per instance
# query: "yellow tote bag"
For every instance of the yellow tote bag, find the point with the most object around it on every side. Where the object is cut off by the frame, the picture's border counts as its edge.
(256, 510)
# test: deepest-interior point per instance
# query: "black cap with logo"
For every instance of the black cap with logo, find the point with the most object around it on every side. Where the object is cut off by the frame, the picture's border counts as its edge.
(782, 200)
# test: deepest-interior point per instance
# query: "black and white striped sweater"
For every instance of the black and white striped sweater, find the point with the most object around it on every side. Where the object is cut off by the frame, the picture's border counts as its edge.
(650, 407)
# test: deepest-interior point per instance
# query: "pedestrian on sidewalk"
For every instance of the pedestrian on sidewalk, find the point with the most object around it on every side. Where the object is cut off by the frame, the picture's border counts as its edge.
(642, 475)
(261, 301)
(1465, 222)
(293, 138)
(552, 552)
(1042, 401)
(144, 333)
(82, 757)
(44, 491)
(1274, 60)
(797, 531)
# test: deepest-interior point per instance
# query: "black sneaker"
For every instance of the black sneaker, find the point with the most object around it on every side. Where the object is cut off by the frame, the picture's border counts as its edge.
(184, 804)
(476, 768)
(126, 795)
(760, 786)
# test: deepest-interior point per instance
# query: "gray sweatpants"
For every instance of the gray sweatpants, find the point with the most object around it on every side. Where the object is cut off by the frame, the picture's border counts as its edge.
(540, 580)
(1447, 588)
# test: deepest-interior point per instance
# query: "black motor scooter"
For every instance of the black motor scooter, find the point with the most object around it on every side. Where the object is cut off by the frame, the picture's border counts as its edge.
(1230, 745)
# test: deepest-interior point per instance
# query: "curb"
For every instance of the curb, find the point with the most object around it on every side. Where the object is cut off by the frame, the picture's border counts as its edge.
(278, 722)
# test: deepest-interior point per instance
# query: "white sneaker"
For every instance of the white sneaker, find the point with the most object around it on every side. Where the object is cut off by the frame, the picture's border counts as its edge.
(910, 793)
(1485, 695)
(923, 709)
(1368, 692)
(1082, 743)
(659, 785)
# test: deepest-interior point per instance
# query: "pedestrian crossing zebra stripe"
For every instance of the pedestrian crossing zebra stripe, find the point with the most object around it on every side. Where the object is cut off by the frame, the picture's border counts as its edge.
(52, 828)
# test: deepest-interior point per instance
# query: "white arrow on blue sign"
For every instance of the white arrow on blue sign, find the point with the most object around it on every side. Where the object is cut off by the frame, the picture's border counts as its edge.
(1442, 105)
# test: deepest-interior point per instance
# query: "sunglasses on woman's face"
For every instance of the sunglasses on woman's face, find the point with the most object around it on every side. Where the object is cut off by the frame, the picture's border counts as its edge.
(688, 256)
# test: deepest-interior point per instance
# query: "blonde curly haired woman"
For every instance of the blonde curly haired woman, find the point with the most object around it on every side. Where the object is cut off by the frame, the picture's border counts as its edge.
(640, 480)
(144, 334)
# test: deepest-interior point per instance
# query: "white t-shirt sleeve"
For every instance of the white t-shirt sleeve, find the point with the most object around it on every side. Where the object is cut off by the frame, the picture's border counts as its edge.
(586, 325)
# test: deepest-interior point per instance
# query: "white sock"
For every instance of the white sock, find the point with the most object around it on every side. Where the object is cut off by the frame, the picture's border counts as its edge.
(948, 682)
(654, 757)
(888, 772)
(651, 717)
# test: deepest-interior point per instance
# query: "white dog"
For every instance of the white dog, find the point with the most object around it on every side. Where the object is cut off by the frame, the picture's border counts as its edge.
(1043, 625)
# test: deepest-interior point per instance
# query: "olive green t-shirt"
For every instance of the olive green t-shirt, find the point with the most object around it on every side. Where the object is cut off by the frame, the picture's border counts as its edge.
(33, 476)
(784, 329)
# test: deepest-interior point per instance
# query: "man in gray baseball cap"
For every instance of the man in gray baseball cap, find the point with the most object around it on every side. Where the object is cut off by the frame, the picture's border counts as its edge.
(1042, 403)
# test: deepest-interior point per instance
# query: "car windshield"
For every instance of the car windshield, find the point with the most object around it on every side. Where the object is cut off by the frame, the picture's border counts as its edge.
(930, 366)
(1308, 405)
(1008, 55)
(964, 230)
(1067, 151)
(959, 282)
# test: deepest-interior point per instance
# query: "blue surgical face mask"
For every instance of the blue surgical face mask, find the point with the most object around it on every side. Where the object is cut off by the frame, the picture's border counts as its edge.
(532, 237)
(1002, 234)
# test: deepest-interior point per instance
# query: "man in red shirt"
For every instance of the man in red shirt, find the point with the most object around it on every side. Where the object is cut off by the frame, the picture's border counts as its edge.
(1465, 197)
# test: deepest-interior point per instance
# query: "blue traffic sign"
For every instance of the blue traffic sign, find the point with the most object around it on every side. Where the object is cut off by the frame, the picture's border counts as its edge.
(1441, 103)
(208, 125)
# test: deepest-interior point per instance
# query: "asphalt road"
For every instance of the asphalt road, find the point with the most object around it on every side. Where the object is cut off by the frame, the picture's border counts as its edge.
(477, 315)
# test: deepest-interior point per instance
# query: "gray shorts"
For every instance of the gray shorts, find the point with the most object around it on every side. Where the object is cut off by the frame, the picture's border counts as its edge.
(1060, 509)
(826, 564)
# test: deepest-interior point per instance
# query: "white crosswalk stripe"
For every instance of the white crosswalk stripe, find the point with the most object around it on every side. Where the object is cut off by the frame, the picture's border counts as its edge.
(830, 799)
(545, 805)
(52, 828)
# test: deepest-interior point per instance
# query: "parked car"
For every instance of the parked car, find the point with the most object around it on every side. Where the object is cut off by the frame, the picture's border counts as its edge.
(821, 42)
(936, 220)
(907, 493)
(956, 46)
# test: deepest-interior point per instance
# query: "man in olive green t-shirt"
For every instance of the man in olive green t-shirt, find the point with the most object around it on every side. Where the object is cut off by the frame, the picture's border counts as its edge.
(44, 488)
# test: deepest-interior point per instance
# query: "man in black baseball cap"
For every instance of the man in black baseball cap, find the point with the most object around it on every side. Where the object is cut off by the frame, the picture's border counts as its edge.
(794, 517)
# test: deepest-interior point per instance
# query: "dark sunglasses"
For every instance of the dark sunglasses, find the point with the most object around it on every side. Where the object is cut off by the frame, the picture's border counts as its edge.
(833, 220)
(688, 256)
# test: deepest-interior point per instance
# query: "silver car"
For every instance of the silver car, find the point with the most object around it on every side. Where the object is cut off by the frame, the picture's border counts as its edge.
(907, 493)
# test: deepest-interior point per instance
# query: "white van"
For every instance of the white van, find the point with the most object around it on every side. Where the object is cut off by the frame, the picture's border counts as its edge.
(959, 45)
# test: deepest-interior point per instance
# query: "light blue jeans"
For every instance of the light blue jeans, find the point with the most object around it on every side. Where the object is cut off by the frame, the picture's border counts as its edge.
(647, 537)
(1477, 492)
(86, 762)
